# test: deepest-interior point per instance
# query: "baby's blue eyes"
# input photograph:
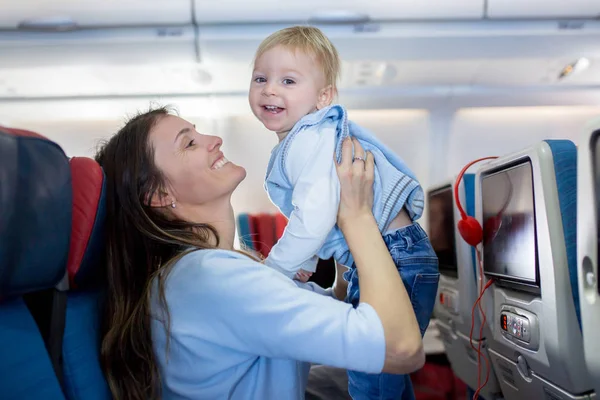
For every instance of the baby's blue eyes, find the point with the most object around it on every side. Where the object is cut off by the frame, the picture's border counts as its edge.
(285, 81)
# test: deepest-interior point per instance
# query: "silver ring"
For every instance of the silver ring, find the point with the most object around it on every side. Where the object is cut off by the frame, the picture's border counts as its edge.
(358, 158)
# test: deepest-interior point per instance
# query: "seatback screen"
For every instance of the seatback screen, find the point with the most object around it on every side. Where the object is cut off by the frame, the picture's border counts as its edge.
(441, 229)
(509, 244)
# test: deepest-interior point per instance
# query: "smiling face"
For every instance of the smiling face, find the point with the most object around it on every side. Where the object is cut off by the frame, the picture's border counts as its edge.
(195, 169)
(287, 85)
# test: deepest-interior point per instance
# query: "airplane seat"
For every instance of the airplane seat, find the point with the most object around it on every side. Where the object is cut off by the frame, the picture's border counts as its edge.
(564, 154)
(84, 378)
(532, 304)
(35, 227)
(458, 286)
(588, 210)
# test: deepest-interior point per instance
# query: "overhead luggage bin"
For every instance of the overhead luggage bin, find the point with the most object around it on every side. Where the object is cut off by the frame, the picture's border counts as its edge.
(73, 14)
(404, 41)
(334, 11)
(511, 9)
(116, 46)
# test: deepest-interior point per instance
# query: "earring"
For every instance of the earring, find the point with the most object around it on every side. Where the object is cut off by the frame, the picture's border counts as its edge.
(173, 203)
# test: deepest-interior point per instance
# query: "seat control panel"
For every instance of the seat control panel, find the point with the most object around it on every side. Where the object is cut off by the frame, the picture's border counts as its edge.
(516, 326)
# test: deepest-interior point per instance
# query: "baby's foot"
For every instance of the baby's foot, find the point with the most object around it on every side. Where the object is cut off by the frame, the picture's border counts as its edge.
(303, 276)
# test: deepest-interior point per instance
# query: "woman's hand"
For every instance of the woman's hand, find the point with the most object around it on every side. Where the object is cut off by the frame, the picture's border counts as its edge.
(356, 182)
(380, 284)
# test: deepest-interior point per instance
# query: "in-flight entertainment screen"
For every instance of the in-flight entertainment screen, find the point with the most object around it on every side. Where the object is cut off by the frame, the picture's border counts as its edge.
(509, 245)
(441, 229)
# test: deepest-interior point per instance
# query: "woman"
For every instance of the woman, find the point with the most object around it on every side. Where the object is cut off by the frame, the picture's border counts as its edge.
(189, 317)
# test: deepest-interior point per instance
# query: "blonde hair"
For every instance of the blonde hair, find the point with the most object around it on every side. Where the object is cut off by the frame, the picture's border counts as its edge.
(311, 41)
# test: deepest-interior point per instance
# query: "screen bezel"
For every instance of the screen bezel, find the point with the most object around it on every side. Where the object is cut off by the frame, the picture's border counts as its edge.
(450, 272)
(507, 280)
(595, 137)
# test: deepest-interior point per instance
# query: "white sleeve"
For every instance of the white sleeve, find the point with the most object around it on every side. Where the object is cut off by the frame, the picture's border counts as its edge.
(313, 287)
(310, 168)
(256, 310)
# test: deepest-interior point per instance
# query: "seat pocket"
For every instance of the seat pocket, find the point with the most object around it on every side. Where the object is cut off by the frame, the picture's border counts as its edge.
(423, 296)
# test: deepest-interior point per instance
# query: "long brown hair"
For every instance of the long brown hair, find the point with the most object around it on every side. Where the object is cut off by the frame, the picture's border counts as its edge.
(142, 243)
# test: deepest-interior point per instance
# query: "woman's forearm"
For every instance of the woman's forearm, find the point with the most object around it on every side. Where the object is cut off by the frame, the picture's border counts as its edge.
(382, 288)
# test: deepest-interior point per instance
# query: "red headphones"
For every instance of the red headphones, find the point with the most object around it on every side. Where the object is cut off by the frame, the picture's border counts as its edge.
(468, 227)
(471, 231)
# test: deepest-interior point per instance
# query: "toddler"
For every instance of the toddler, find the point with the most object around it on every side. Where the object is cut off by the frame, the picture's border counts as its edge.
(291, 93)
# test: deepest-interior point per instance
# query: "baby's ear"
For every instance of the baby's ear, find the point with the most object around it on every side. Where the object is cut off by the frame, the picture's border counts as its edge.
(326, 96)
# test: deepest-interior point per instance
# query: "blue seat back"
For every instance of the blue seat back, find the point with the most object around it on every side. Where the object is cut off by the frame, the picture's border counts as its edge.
(35, 226)
(81, 342)
(564, 154)
(469, 182)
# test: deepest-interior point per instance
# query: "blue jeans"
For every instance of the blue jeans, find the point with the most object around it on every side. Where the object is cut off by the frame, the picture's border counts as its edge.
(417, 264)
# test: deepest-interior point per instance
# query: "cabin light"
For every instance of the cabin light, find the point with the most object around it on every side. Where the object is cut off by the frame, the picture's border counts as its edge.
(575, 67)
(338, 17)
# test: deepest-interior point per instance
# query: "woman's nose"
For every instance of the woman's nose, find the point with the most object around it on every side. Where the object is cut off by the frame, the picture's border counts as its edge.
(213, 142)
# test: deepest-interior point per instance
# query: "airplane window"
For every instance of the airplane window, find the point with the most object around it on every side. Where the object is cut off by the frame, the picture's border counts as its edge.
(441, 229)
(509, 249)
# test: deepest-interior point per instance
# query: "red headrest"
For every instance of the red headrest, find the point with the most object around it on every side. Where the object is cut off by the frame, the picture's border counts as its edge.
(280, 224)
(86, 255)
(23, 133)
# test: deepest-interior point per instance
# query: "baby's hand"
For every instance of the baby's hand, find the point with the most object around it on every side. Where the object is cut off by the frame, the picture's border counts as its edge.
(303, 276)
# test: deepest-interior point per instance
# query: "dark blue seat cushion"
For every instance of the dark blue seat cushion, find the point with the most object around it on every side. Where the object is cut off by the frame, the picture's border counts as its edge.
(84, 379)
(35, 212)
(25, 369)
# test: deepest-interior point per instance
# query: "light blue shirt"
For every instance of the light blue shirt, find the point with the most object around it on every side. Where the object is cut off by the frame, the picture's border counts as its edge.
(241, 330)
(302, 182)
